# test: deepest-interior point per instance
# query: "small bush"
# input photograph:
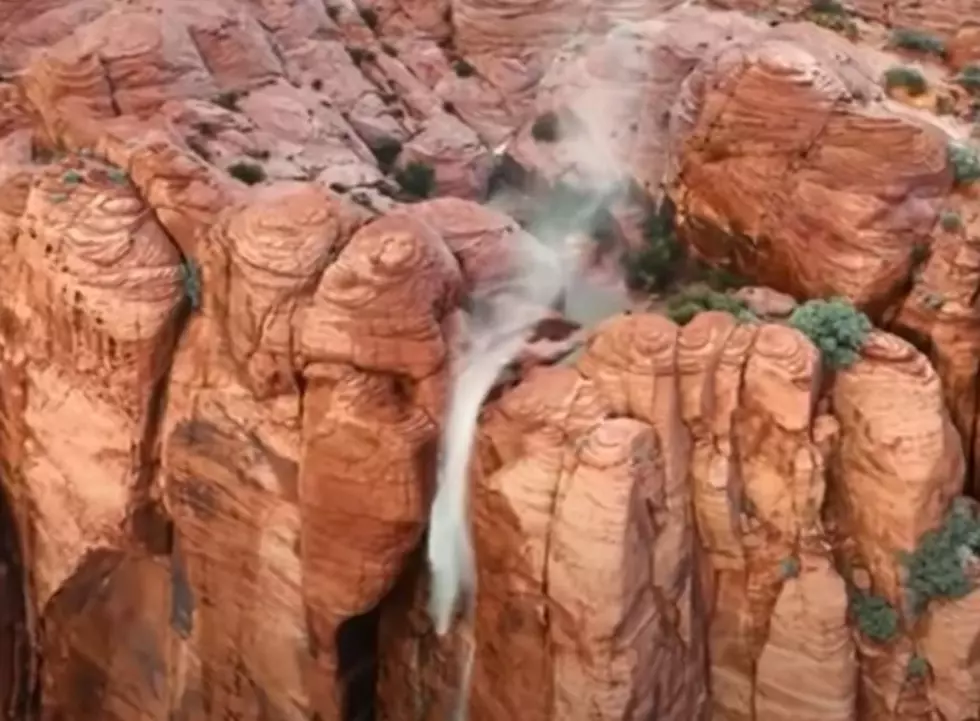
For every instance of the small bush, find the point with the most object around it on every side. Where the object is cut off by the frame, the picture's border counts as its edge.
(417, 179)
(838, 23)
(950, 221)
(835, 327)
(683, 307)
(918, 41)
(934, 301)
(937, 568)
(969, 78)
(546, 127)
(966, 164)
(875, 617)
(71, 177)
(902, 76)
(370, 17)
(248, 173)
(917, 667)
(827, 7)
(190, 277)
(118, 176)
(789, 567)
(227, 100)
(386, 150)
(463, 69)
(359, 56)
(655, 266)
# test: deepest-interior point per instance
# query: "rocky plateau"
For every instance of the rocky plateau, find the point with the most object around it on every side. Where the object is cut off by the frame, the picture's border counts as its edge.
(241, 243)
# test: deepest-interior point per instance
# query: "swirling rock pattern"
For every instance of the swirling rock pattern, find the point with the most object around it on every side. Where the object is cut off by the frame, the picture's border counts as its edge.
(225, 339)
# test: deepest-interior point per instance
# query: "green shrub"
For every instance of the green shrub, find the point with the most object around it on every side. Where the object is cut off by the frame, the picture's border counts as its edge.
(918, 41)
(875, 617)
(789, 567)
(969, 78)
(546, 127)
(190, 277)
(835, 327)
(902, 76)
(917, 667)
(684, 306)
(417, 179)
(386, 150)
(463, 69)
(827, 7)
(950, 221)
(937, 566)
(71, 177)
(248, 173)
(934, 301)
(966, 164)
(227, 100)
(655, 266)
(118, 176)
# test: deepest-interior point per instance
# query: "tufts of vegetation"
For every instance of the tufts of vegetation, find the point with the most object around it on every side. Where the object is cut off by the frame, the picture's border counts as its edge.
(918, 41)
(969, 79)
(937, 568)
(227, 100)
(902, 76)
(827, 7)
(359, 56)
(683, 307)
(417, 179)
(463, 69)
(118, 176)
(58, 198)
(248, 173)
(386, 150)
(950, 221)
(654, 267)
(71, 177)
(966, 164)
(190, 277)
(832, 15)
(370, 17)
(835, 327)
(546, 127)
(934, 301)
(789, 567)
(917, 667)
(875, 617)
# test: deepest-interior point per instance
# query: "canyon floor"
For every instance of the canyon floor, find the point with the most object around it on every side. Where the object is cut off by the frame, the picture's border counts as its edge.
(731, 477)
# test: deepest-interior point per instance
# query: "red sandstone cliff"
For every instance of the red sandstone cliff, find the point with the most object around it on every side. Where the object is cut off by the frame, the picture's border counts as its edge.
(226, 330)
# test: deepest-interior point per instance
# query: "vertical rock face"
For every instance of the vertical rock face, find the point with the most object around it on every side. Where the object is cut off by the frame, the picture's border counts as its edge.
(222, 393)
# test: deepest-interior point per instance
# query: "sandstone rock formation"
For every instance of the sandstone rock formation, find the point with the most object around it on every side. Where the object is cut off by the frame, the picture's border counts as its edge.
(227, 334)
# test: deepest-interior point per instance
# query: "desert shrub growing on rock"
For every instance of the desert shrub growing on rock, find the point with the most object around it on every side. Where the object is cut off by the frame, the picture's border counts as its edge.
(969, 78)
(835, 327)
(416, 178)
(938, 567)
(919, 41)
(657, 264)
(950, 221)
(386, 150)
(966, 164)
(902, 76)
(545, 128)
(875, 617)
(917, 667)
(682, 307)
(789, 567)
(248, 173)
